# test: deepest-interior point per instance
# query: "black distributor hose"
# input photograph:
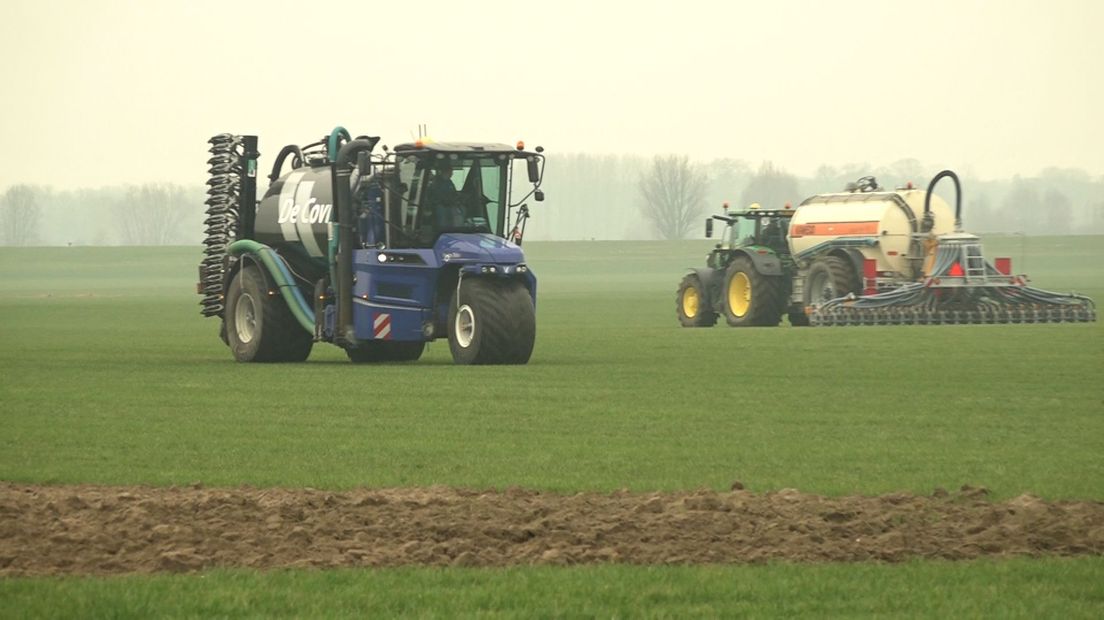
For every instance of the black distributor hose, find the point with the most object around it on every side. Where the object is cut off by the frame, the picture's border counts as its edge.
(928, 221)
(290, 149)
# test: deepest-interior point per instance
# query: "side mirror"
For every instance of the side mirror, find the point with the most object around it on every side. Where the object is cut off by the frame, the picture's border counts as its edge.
(538, 195)
(534, 170)
(709, 228)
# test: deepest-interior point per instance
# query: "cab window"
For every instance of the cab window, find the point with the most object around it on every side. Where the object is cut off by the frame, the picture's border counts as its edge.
(742, 232)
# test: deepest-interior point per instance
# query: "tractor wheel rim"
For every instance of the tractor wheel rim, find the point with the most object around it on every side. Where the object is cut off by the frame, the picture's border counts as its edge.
(245, 318)
(739, 293)
(690, 301)
(464, 326)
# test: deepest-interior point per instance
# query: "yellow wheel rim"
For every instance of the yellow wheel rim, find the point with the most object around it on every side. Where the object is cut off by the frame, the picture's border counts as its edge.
(690, 301)
(739, 293)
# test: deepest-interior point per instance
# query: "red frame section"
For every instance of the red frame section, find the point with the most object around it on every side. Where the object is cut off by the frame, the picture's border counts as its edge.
(870, 276)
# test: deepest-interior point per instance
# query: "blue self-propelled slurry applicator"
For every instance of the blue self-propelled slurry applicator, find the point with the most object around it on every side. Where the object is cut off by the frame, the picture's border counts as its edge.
(417, 243)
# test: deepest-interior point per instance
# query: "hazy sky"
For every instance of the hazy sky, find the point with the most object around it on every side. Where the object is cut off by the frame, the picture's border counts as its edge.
(102, 93)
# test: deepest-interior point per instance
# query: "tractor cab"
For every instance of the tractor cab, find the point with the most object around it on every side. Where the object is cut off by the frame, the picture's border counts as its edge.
(753, 227)
(438, 188)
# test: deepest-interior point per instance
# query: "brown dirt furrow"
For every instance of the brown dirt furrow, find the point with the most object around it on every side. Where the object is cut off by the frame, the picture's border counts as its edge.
(85, 529)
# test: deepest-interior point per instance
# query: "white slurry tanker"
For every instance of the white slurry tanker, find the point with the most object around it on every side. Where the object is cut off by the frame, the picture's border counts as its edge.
(864, 256)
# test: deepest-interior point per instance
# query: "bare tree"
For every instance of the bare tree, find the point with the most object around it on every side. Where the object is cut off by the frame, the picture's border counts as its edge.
(1021, 207)
(979, 214)
(151, 214)
(1057, 215)
(771, 187)
(674, 195)
(1096, 218)
(727, 177)
(20, 212)
(899, 173)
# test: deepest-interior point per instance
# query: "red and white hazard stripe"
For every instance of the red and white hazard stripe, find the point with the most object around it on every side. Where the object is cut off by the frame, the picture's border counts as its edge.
(381, 327)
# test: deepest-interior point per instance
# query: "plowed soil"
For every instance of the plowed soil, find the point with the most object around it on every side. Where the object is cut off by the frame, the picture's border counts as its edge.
(47, 530)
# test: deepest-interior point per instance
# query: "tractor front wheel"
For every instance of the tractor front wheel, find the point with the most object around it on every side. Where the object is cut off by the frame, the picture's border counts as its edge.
(751, 298)
(259, 326)
(491, 321)
(692, 303)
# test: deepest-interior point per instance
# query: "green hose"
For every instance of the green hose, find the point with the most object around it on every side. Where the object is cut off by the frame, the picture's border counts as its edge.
(282, 275)
(332, 145)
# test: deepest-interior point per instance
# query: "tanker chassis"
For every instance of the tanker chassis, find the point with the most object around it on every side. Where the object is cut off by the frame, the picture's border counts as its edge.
(865, 256)
(375, 253)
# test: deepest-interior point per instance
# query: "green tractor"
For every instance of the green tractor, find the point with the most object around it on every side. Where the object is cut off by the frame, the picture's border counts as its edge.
(748, 275)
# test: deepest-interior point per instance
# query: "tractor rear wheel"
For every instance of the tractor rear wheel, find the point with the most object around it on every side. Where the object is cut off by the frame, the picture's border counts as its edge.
(259, 326)
(491, 321)
(385, 351)
(751, 298)
(692, 303)
(830, 278)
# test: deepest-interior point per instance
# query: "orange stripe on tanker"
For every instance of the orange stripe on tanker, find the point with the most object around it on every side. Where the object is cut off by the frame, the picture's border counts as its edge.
(834, 229)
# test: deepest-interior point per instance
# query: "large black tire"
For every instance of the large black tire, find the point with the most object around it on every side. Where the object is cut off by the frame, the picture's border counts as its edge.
(692, 303)
(750, 298)
(829, 278)
(385, 351)
(259, 326)
(491, 321)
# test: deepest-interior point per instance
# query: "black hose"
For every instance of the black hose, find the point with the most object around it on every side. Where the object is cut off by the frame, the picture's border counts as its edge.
(928, 222)
(279, 163)
(343, 206)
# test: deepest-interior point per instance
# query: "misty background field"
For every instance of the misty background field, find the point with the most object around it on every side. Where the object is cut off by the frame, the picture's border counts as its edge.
(590, 197)
(111, 376)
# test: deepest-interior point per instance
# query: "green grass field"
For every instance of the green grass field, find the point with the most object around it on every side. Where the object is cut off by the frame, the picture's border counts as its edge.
(109, 375)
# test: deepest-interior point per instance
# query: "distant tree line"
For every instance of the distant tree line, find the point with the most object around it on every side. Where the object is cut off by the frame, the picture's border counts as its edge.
(149, 214)
(625, 197)
(588, 197)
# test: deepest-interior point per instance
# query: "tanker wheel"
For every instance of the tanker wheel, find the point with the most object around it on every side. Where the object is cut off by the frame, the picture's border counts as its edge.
(830, 278)
(259, 326)
(751, 298)
(692, 304)
(385, 351)
(491, 321)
